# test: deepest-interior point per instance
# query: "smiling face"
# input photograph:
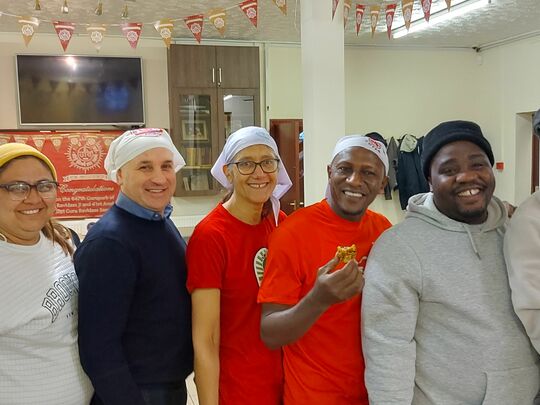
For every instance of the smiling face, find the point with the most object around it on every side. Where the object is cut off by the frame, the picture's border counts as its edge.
(255, 188)
(355, 177)
(22, 221)
(462, 181)
(149, 179)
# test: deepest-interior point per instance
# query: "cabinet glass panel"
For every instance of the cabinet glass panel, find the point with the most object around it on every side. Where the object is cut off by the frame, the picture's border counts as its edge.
(195, 128)
(239, 112)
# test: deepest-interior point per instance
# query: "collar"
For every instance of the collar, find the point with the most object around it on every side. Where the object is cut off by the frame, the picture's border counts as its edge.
(127, 204)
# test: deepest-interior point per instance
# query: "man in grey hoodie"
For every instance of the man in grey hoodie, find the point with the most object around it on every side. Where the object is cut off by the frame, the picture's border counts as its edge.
(437, 319)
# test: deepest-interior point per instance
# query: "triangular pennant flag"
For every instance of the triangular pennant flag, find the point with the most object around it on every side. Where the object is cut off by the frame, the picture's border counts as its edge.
(390, 11)
(359, 15)
(20, 138)
(250, 9)
(38, 141)
(218, 18)
(28, 28)
(132, 31)
(282, 5)
(334, 7)
(346, 9)
(374, 16)
(165, 28)
(57, 142)
(97, 33)
(426, 8)
(448, 4)
(195, 25)
(64, 30)
(4, 139)
(406, 10)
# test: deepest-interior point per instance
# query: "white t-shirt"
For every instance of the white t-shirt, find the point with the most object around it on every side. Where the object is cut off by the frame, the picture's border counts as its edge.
(39, 359)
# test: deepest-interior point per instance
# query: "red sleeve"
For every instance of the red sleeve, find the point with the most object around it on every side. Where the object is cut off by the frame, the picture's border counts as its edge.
(282, 281)
(206, 258)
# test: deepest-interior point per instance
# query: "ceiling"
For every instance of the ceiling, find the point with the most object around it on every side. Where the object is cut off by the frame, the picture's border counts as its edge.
(499, 21)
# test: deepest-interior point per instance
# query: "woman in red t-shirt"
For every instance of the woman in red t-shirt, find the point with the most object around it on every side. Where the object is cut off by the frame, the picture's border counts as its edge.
(226, 256)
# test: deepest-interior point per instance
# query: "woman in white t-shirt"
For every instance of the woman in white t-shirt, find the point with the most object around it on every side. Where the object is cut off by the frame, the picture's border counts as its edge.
(39, 361)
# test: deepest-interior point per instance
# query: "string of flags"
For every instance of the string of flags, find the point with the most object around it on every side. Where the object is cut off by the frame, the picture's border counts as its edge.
(390, 10)
(132, 31)
(218, 19)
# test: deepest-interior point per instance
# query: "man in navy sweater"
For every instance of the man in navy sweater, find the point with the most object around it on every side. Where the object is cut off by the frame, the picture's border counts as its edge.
(134, 309)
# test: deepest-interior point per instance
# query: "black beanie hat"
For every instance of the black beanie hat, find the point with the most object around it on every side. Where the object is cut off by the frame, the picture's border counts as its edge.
(448, 132)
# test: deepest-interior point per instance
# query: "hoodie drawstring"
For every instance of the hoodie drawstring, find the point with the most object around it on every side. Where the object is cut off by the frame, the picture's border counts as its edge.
(471, 239)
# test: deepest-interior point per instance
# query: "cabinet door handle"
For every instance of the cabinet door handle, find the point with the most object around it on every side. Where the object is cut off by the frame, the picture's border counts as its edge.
(213, 75)
(219, 70)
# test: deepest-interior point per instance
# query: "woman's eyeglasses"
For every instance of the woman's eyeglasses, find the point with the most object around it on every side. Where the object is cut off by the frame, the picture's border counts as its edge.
(19, 190)
(249, 166)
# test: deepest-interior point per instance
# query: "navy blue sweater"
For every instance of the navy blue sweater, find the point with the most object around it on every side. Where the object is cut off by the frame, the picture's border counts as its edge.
(134, 308)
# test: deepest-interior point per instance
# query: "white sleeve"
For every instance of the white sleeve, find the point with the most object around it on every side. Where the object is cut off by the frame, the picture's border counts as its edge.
(390, 305)
(522, 255)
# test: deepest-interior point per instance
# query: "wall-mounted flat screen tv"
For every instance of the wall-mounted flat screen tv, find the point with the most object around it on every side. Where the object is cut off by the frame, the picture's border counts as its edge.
(80, 90)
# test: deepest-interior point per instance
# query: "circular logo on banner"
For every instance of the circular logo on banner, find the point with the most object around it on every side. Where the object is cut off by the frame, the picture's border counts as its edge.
(96, 36)
(165, 33)
(251, 12)
(259, 262)
(132, 36)
(219, 22)
(87, 154)
(64, 35)
(27, 30)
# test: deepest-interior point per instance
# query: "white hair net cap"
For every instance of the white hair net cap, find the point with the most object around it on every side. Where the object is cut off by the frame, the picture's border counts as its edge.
(242, 139)
(365, 142)
(136, 141)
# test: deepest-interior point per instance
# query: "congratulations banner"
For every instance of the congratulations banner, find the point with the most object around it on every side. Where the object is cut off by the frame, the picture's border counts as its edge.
(84, 190)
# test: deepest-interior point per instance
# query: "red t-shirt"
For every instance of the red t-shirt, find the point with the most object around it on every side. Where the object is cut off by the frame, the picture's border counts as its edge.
(223, 253)
(325, 366)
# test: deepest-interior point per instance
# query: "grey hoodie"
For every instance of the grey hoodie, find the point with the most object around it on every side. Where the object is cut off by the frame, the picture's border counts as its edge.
(437, 320)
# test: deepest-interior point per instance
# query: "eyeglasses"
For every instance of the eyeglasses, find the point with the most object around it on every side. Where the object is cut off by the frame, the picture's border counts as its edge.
(248, 166)
(19, 190)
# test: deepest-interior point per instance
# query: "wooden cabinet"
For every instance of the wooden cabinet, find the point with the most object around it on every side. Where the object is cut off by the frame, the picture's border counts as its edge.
(214, 66)
(286, 133)
(213, 91)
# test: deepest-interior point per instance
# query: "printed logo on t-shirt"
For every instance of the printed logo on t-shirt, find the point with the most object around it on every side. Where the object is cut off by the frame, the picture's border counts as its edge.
(259, 262)
(60, 293)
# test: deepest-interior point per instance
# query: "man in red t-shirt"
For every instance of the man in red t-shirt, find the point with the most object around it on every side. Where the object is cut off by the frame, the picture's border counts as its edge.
(311, 302)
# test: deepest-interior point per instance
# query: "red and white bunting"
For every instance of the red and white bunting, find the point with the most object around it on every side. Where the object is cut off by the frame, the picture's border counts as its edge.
(448, 4)
(165, 29)
(426, 8)
(334, 7)
(195, 25)
(218, 18)
(39, 141)
(406, 10)
(64, 30)
(346, 10)
(132, 31)
(250, 9)
(374, 17)
(96, 33)
(20, 138)
(28, 28)
(360, 8)
(390, 11)
(282, 5)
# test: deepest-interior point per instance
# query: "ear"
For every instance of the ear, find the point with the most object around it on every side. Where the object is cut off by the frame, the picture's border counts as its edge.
(227, 172)
(119, 177)
(329, 171)
(383, 185)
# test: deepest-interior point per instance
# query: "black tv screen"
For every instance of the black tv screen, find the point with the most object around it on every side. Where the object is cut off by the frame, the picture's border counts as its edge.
(79, 90)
